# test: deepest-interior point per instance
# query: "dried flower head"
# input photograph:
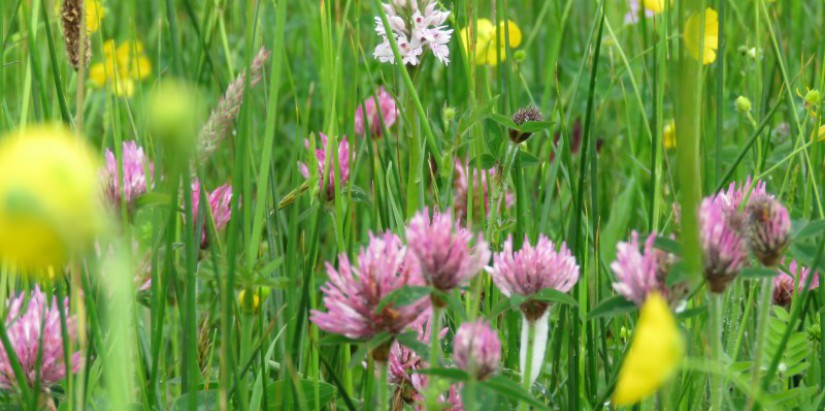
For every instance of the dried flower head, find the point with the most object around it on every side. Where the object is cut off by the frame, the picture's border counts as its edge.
(477, 349)
(30, 326)
(352, 294)
(443, 250)
(770, 228)
(220, 122)
(522, 116)
(641, 272)
(380, 116)
(128, 185)
(416, 29)
(723, 232)
(533, 269)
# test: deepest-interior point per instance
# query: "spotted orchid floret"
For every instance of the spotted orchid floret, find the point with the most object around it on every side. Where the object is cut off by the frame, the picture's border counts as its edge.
(417, 26)
(327, 181)
(128, 184)
(532, 269)
(641, 271)
(352, 293)
(724, 242)
(443, 250)
(32, 325)
(786, 284)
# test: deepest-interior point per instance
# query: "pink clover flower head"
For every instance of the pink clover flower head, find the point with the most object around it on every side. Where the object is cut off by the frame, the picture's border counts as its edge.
(533, 269)
(327, 182)
(386, 110)
(352, 293)
(477, 349)
(27, 327)
(724, 243)
(443, 250)
(127, 185)
(770, 226)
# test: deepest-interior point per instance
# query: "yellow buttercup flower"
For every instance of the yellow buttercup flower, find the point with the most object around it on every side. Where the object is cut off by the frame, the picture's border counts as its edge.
(491, 46)
(656, 6)
(708, 40)
(669, 135)
(50, 199)
(121, 68)
(655, 353)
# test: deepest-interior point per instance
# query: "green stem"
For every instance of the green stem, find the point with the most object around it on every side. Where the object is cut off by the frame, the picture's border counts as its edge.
(743, 324)
(717, 381)
(383, 401)
(435, 326)
(764, 311)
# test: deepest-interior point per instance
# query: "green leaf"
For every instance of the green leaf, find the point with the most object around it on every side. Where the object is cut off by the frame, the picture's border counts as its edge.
(549, 295)
(526, 159)
(452, 374)
(668, 245)
(484, 162)
(758, 272)
(411, 341)
(536, 126)
(503, 120)
(512, 390)
(335, 339)
(611, 307)
(204, 400)
(803, 229)
(306, 395)
(403, 297)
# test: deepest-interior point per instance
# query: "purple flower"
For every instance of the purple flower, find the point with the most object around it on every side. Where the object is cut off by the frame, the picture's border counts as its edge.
(481, 195)
(443, 250)
(219, 206)
(640, 272)
(723, 235)
(327, 183)
(26, 327)
(477, 349)
(785, 284)
(734, 196)
(133, 177)
(632, 16)
(386, 111)
(533, 269)
(770, 228)
(352, 293)
(415, 30)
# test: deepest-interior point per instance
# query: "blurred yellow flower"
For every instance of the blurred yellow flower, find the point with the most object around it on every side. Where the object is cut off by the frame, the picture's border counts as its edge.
(669, 135)
(656, 6)
(50, 198)
(655, 352)
(707, 40)
(489, 51)
(122, 66)
(821, 133)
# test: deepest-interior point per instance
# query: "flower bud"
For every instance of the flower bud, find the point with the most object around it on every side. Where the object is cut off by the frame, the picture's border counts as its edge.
(522, 116)
(743, 104)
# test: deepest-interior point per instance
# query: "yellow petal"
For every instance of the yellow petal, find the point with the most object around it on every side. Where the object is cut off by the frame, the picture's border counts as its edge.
(709, 40)
(108, 48)
(97, 75)
(822, 133)
(514, 33)
(141, 69)
(485, 30)
(656, 6)
(669, 135)
(124, 87)
(654, 354)
(94, 14)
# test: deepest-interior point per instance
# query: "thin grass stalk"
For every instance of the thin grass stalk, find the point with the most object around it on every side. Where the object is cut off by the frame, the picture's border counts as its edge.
(717, 306)
(431, 395)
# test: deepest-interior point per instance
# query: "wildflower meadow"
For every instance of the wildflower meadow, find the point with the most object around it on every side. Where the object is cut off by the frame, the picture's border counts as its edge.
(456, 205)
